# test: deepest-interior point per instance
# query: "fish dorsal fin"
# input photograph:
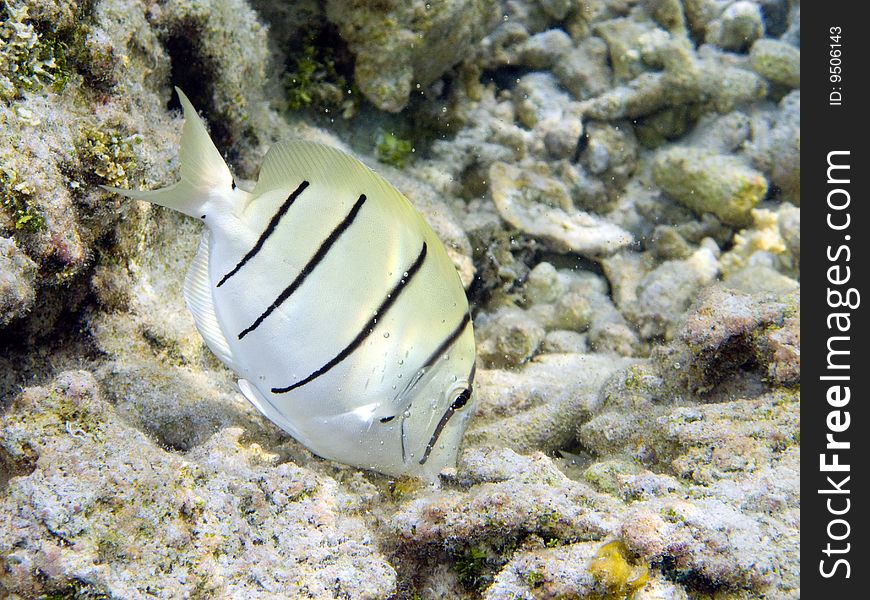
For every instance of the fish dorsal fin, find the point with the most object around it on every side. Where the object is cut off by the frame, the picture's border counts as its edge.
(199, 300)
(202, 166)
(287, 163)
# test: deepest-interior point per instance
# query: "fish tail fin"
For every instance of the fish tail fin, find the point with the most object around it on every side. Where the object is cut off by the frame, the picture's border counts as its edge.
(202, 168)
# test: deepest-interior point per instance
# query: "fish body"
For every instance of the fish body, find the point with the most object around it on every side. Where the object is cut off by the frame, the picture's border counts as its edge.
(333, 301)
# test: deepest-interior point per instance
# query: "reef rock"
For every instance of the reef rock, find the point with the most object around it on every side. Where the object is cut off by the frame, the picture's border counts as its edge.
(17, 275)
(401, 46)
(539, 407)
(708, 182)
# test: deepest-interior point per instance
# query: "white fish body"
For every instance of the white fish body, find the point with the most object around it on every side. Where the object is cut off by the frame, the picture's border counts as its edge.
(332, 299)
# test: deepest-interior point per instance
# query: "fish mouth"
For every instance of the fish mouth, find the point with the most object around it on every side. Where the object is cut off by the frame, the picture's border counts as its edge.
(404, 399)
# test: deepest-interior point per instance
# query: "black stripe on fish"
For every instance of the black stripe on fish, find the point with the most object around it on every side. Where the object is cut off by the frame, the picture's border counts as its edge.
(437, 433)
(270, 228)
(445, 345)
(392, 296)
(310, 266)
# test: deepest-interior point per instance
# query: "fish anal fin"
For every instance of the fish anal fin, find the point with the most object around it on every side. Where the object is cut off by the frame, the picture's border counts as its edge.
(262, 404)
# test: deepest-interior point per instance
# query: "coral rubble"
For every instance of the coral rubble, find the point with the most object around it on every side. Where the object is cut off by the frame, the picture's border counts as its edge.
(618, 184)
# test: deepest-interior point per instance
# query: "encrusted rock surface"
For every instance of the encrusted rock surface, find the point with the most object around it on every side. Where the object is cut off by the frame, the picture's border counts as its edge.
(521, 199)
(17, 274)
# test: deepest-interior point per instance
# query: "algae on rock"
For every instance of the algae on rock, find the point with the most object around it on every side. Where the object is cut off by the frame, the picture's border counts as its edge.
(655, 141)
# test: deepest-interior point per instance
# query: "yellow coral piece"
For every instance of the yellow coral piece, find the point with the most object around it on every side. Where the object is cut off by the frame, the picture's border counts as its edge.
(763, 236)
(612, 571)
(107, 154)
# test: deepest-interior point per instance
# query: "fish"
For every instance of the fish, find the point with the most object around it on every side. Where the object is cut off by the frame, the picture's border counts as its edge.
(332, 300)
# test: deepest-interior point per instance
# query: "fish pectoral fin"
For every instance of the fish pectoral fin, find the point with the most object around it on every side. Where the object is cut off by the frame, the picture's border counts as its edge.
(200, 302)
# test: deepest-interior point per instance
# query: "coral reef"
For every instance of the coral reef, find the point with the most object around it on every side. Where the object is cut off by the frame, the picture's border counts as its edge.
(522, 198)
(618, 186)
(17, 273)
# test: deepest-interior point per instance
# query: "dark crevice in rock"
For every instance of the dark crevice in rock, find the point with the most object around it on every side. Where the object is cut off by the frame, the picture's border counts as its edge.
(504, 78)
(194, 71)
(35, 348)
(10, 468)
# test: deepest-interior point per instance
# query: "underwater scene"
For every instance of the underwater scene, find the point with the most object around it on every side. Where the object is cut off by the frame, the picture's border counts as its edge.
(400, 299)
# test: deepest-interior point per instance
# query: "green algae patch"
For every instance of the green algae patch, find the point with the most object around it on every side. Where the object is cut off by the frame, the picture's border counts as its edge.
(393, 150)
(26, 62)
(618, 577)
(315, 80)
(15, 196)
(708, 182)
(472, 567)
(405, 487)
(43, 52)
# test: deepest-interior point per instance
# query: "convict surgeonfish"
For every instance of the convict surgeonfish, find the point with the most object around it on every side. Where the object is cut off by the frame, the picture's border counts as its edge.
(333, 301)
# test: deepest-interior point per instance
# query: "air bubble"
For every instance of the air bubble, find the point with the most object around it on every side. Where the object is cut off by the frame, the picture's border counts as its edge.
(386, 334)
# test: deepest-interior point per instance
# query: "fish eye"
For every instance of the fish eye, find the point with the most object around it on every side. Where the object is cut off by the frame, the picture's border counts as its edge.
(462, 399)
